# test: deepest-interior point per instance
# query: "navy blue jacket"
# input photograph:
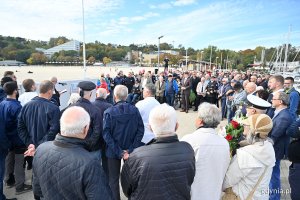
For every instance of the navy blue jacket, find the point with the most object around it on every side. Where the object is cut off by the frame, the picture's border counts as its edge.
(9, 111)
(94, 139)
(281, 123)
(64, 169)
(293, 131)
(2, 94)
(38, 121)
(4, 142)
(123, 129)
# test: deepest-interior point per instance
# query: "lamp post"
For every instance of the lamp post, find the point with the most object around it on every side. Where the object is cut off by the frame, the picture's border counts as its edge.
(83, 46)
(201, 60)
(186, 60)
(158, 51)
(210, 57)
(217, 61)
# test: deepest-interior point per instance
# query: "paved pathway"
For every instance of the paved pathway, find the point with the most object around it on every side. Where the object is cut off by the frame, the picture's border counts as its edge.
(186, 126)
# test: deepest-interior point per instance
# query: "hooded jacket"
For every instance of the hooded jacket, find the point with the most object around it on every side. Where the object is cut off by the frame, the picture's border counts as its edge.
(246, 168)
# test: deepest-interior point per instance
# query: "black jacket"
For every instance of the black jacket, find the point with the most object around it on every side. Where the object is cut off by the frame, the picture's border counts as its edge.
(101, 104)
(38, 121)
(163, 169)
(63, 169)
(94, 139)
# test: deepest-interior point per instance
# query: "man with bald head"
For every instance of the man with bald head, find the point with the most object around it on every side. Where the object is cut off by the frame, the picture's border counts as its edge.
(251, 88)
(80, 174)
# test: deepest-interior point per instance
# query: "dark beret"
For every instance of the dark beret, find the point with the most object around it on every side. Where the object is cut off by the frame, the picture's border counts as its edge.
(86, 85)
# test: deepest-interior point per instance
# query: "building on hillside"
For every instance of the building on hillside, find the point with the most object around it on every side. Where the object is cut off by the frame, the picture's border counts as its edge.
(72, 45)
(11, 63)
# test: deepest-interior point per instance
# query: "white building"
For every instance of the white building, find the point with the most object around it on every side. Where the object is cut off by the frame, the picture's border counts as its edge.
(68, 46)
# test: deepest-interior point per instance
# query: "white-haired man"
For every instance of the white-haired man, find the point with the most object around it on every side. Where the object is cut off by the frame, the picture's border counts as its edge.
(165, 167)
(123, 130)
(100, 102)
(63, 168)
(211, 152)
(145, 106)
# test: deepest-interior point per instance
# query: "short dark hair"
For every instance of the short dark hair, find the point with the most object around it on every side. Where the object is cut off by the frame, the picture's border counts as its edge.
(45, 86)
(27, 84)
(290, 78)
(8, 73)
(5, 80)
(237, 86)
(278, 78)
(263, 94)
(10, 87)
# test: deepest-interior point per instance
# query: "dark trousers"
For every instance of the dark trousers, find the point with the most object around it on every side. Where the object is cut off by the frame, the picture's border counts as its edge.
(113, 172)
(2, 171)
(198, 101)
(14, 165)
(294, 180)
(185, 101)
(170, 99)
(275, 185)
(160, 99)
(224, 107)
(211, 99)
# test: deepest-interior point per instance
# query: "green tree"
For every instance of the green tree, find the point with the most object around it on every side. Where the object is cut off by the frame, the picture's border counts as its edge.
(106, 60)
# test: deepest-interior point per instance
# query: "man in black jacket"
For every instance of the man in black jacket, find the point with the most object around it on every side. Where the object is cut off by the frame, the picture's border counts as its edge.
(165, 167)
(94, 139)
(64, 169)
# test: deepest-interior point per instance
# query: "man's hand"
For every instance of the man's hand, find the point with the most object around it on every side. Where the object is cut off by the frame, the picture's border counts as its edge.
(30, 150)
(125, 155)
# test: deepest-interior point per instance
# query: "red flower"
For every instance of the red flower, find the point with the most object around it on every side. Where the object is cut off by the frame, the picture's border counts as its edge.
(228, 137)
(234, 124)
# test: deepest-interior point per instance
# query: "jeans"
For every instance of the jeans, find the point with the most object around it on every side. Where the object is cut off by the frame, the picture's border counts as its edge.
(2, 171)
(224, 107)
(131, 98)
(170, 99)
(294, 180)
(275, 182)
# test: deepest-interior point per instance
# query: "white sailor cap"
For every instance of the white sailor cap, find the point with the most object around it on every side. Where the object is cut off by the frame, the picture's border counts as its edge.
(256, 102)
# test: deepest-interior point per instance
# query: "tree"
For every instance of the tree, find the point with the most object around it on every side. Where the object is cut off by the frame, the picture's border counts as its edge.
(106, 60)
(37, 58)
(91, 60)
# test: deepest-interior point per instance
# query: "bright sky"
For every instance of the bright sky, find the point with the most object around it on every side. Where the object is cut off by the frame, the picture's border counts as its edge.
(226, 24)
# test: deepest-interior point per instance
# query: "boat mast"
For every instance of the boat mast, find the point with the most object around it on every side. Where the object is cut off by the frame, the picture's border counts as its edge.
(286, 49)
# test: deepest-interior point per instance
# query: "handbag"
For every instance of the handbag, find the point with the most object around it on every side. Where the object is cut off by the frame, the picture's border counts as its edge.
(230, 195)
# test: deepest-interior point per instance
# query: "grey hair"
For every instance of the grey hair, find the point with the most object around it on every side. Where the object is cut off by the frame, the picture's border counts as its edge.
(284, 98)
(226, 79)
(163, 120)
(73, 98)
(121, 92)
(252, 138)
(151, 88)
(210, 114)
(102, 93)
(73, 121)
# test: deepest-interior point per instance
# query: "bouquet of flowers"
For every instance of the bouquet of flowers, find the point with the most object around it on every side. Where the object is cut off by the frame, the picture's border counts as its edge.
(234, 130)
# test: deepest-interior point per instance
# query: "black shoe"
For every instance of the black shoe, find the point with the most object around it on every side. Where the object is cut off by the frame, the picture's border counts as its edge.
(195, 110)
(12, 199)
(10, 181)
(23, 189)
(29, 167)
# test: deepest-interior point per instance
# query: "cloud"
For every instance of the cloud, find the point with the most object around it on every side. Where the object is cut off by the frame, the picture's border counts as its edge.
(44, 19)
(183, 2)
(162, 6)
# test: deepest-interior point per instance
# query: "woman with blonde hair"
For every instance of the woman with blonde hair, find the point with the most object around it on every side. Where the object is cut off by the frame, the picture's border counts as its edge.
(250, 170)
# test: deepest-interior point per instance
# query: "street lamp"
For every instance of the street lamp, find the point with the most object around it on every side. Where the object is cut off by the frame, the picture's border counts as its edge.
(83, 46)
(201, 60)
(158, 51)
(217, 61)
(186, 60)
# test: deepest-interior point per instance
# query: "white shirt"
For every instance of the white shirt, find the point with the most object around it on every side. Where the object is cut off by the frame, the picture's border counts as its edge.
(145, 106)
(26, 97)
(212, 160)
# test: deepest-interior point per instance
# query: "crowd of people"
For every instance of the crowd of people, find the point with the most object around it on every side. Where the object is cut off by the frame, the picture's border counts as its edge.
(77, 152)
